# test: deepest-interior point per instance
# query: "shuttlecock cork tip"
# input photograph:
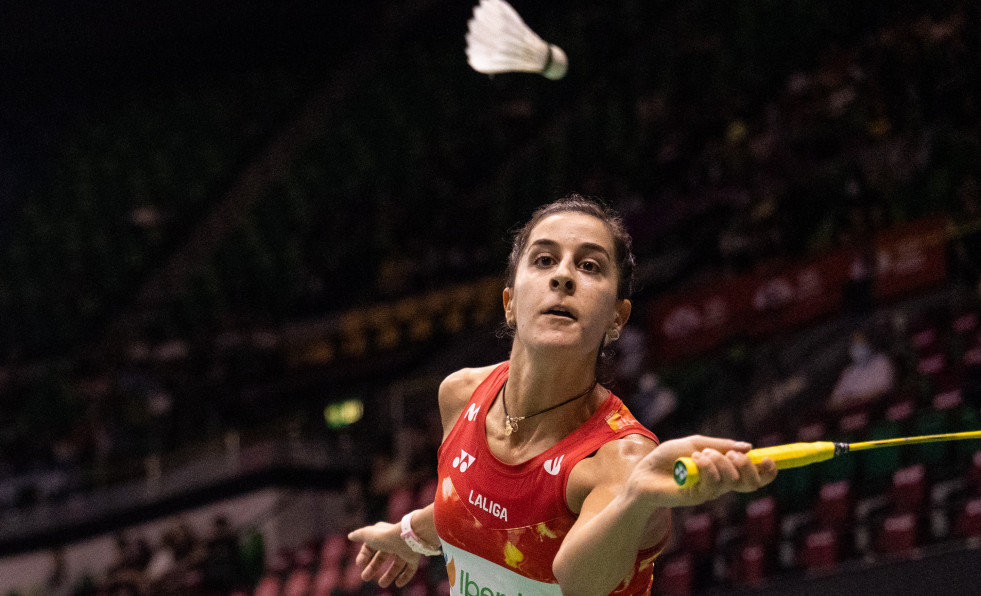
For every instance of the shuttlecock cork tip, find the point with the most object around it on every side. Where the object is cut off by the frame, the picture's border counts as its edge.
(556, 64)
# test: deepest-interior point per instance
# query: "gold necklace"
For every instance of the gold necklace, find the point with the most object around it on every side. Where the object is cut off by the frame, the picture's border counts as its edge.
(511, 422)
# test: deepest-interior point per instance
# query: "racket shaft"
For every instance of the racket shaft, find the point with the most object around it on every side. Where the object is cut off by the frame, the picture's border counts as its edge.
(973, 434)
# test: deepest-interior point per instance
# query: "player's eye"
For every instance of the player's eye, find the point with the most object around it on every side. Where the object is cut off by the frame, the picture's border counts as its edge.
(544, 261)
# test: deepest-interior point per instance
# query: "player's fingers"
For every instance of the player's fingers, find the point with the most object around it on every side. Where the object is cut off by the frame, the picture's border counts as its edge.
(707, 469)
(726, 466)
(406, 576)
(767, 470)
(374, 568)
(748, 477)
(718, 444)
(392, 572)
(364, 555)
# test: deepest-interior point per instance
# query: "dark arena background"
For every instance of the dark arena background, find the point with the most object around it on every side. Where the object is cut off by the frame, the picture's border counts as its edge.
(241, 243)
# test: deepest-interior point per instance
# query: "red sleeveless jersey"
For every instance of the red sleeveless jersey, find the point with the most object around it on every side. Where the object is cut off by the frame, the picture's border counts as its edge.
(501, 525)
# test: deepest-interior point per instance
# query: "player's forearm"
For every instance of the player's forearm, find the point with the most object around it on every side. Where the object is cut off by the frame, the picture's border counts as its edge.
(424, 526)
(599, 555)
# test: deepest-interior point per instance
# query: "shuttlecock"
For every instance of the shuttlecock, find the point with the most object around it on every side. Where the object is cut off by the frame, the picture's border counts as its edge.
(498, 40)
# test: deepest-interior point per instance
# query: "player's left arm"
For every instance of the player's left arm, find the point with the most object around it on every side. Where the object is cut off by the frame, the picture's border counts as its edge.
(600, 549)
(624, 494)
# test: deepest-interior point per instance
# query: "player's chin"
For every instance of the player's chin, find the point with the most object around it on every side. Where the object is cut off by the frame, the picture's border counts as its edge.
(567, 338)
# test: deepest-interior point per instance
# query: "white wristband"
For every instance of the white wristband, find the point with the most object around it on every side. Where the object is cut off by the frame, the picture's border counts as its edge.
(414, 542)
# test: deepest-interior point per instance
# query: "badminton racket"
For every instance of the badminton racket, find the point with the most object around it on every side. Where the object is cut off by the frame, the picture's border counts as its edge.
(795, 455)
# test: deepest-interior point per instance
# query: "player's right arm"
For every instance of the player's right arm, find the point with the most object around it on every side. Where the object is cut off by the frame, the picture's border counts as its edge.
(384, 556)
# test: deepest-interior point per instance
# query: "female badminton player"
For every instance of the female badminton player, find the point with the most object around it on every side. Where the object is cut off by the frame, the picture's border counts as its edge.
(547, 483)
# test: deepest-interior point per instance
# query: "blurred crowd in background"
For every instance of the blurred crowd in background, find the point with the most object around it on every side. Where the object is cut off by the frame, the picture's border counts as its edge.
(188, 251)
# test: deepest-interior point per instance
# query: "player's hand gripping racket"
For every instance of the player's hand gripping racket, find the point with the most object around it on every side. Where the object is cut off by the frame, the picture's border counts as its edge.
(795, 455)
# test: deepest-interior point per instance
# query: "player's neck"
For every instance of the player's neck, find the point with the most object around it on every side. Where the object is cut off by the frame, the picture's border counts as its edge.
(536, 383)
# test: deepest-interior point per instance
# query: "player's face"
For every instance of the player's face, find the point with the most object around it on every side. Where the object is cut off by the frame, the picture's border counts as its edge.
(565, 287)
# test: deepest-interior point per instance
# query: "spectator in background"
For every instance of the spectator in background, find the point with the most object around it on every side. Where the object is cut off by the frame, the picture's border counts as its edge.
(179, 553)
(132, 556)
(221, 558)
(869, 375)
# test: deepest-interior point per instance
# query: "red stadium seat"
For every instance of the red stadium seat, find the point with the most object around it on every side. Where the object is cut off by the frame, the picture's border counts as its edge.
(333, 549)
(819, 551)
(909, 488)
(327, 580)
(897, 534)
(834, 506)
(752, 564)
(974, 473)
(812, 431)
(966, 323)
(972, 355)
(854, 421)
(699, 534)
(900, 410)
(762, 523)
(351, 578)
(924, 338)
(968, 521)
(305, 556)
(932, 364)
(268, 586)
(298, 583)
(677, 576)
(948, 388)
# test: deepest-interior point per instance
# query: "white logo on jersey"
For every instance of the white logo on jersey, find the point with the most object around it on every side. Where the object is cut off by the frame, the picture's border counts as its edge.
(489, 506)
(552, 466)
(464, 461)
(472, 412)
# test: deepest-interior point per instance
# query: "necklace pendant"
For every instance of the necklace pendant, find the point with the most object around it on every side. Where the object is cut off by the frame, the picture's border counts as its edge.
(509, 427)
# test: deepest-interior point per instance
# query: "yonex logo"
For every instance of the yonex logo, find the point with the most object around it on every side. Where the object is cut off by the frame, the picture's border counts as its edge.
(552, 466)
(680, 473)
(464, 461)
(472, 412)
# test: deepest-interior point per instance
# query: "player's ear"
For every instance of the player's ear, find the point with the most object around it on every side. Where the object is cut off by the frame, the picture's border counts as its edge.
(509, 306)
(623, 309)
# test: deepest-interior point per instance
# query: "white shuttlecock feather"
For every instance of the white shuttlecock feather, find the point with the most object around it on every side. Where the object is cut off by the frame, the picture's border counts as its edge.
(498, 41)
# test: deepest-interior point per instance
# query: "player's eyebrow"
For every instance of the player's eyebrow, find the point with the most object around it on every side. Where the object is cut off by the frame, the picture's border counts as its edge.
(552, 244)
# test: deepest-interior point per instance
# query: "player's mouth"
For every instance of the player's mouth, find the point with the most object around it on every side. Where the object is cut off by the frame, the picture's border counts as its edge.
(560, 311)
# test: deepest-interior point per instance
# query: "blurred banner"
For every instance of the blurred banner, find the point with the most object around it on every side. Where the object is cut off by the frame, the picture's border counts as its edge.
(781, 298)
(910, 258)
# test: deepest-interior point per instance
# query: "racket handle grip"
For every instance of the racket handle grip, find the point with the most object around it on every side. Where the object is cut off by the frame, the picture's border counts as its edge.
(791, 455)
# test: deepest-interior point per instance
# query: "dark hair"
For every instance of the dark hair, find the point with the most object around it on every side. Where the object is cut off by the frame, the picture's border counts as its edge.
(575, 203)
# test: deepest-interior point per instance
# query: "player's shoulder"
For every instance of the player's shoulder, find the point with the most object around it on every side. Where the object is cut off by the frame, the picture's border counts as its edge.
(625, 450)
(455, 391)
(461, 384)
(614, 459)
